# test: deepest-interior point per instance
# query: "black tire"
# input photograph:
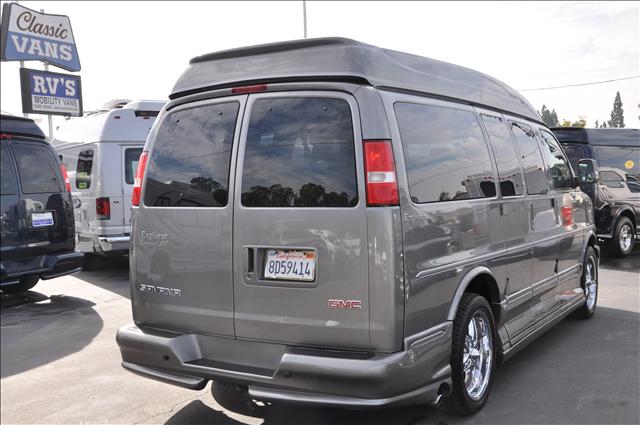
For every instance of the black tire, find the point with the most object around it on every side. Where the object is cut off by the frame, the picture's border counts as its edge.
(588, 308)
(460, 401)
(25, 284)
(623, 227)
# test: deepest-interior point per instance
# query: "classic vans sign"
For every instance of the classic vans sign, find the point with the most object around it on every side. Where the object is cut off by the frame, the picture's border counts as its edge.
(51, 93)
(30, 35)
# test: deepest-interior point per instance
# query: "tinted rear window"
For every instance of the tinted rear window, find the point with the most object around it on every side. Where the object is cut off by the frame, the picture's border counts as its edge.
(300, 153)
(38, 169)
(131, 158)
(624, 161)
(9, 185)
(189, 164)
(446, 156)
(83, 169)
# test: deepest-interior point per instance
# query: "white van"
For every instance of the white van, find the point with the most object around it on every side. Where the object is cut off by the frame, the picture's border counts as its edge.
(101, 152)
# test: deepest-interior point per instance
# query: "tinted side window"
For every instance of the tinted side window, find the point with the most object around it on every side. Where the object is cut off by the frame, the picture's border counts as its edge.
(504, 149)
(531, 159)
(131, 158)
(559, 169)
(38, 169)
(9, 185)
(575, 153)
(189, 163)
(623, 160)
(299, 153)
(445, 154)
(83, 169)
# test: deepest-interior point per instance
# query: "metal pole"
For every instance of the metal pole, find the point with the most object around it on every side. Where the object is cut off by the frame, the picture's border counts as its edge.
(49, 116)
(304, 16)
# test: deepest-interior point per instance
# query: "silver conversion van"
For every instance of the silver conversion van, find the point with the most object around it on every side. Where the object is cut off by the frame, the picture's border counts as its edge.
(101, 152)
(328, 222)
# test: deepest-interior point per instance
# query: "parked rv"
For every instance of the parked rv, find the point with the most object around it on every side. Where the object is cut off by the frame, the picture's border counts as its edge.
(37, 234)
(608, 161)
(101, 152)
(328, 222)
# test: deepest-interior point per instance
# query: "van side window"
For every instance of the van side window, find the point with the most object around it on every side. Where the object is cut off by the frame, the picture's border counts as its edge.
(504, 149)
(9, 184)
(575, 153)
(83, 169)
(131, 158)
(189, 163)
(531, 159)
(38, 169)
(300, 153)
(446, 156)
(559, 169)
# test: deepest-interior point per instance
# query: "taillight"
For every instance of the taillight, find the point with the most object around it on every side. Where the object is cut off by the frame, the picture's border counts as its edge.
(380, 173)
(103, 208)
(567, 216)
(137, 183)
(249, 89)
(65, 176)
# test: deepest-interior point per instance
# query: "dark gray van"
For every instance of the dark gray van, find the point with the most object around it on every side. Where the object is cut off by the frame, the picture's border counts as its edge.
(327, 222)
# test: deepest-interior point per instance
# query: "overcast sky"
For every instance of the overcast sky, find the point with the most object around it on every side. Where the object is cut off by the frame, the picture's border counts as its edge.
(137, 50)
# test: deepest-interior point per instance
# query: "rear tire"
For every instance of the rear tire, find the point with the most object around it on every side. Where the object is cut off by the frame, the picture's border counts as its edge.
(473, 355)
(589, 284)
(623, 238)
(25, 284)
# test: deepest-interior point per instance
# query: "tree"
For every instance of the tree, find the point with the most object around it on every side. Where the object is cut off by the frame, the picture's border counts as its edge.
(617, 114)
(597, 125)
(579, 123)
(565, 123)
(550, 118)
(604, 125)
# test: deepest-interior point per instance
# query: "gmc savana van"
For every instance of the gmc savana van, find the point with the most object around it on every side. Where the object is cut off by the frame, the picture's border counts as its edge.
(327, 222)
(101, 152)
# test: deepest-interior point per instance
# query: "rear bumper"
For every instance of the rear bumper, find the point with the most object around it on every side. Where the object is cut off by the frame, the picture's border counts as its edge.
(44, 266)
(103, 244)
(292, 374)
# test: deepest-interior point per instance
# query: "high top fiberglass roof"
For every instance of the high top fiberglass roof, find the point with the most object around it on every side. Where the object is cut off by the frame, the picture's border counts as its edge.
(341, 59)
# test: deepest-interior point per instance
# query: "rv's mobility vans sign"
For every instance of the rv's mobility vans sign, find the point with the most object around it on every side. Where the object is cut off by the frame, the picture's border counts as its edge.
(30, 35)
(52, 93)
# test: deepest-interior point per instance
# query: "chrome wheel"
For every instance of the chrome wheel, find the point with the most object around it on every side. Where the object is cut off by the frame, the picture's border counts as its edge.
(477, 357)
(591, 284)
(625, 237)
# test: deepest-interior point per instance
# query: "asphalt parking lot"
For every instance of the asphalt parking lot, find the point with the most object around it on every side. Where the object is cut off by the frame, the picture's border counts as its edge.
(60, 364)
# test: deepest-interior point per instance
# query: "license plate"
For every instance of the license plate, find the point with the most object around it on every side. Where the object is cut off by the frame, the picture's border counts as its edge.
(290, 265)
(42, 219)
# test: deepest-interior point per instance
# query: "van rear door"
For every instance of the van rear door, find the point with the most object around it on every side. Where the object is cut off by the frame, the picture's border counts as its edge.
(182, 276)
(45, 204)
(299, 224)
(130, 158)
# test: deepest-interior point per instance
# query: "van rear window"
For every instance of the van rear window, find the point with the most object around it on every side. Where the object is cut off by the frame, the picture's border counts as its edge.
(83, 169)
(189, 163)
(131, 158)
(300, 153)
(38, 169)
(8, 178)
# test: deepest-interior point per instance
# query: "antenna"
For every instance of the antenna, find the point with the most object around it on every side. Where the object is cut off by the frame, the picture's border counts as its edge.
(304, 17)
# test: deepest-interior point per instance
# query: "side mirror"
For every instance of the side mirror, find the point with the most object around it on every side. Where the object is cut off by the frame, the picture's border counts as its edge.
(588, 171)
